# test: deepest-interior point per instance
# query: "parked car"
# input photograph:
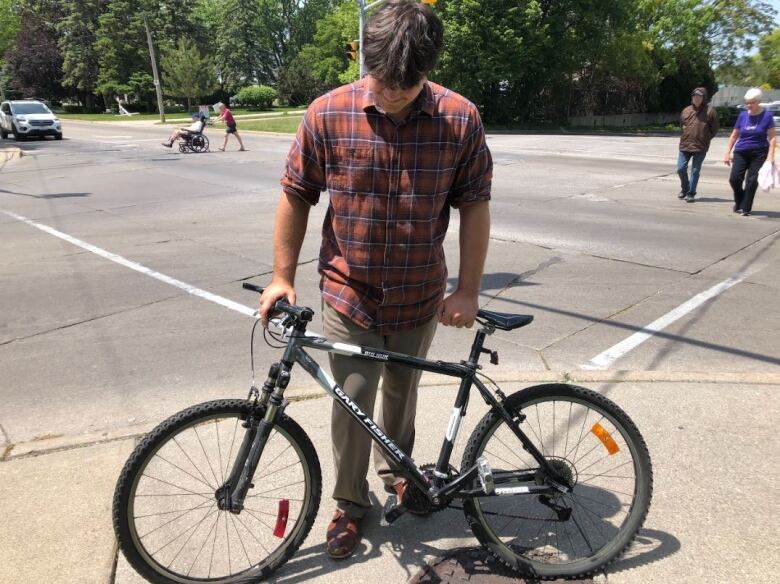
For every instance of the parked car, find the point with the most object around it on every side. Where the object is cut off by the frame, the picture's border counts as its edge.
(774, 107)
(28, 117)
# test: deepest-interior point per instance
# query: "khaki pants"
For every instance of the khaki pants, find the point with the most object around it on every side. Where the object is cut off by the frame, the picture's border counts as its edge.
(359, 379)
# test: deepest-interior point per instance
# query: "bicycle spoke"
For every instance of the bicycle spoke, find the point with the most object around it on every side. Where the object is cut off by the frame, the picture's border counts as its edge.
(249, 531)
(194, 525)
(195, 466)
(568, 426)
(208, 460)
(539, 423)
(241, 541)
(276, 489)
(195, 561)
(182, 470)
(172, 520)
(219, 451)
(205, 496)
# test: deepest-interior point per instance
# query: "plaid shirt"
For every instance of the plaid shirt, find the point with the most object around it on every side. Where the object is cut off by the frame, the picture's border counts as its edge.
(391, 188)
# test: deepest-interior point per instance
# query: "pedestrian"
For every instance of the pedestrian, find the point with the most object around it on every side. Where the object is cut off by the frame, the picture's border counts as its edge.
(225, 115)
(396, 152)
(195, 128)
(699, 123)
(753, 139)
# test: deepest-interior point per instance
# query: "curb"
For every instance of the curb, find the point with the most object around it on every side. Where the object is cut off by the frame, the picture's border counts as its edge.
(53, 444)
(10, 153)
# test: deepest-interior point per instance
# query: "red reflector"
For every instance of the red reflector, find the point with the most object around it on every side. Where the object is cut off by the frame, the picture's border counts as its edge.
(281, 517)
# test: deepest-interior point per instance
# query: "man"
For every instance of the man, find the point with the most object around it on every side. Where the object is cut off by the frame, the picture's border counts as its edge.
(395, 151)
(225, 115)
(195, 128)
(699, 123)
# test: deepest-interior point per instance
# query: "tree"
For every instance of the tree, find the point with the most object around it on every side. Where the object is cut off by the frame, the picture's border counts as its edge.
(9, 24)
(187, 73)
(121, 46)
(77, 36)
(240, 48)
(288, 25)
(322, 64)
(9, 27)
(34, 63)
(769, 52)
(518, 61)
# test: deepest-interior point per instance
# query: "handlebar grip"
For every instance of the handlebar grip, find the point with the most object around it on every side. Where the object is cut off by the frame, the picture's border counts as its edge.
(253, 287)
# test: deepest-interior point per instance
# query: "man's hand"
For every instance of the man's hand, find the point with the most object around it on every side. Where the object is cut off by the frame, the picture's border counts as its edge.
(727, 159)
(459, 309)
(275, 291)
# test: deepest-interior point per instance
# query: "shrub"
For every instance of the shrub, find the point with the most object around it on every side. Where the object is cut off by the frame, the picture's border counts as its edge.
(257, 96)
(73, 108)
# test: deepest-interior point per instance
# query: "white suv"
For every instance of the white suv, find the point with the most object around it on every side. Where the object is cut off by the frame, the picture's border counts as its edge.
(28, 118)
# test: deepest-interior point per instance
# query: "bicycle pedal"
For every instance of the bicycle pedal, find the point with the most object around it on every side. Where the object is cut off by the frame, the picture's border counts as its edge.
(485, 475)
(391, 511)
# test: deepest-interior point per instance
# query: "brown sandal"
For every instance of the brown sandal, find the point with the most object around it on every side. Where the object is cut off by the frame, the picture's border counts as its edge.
(343, 536)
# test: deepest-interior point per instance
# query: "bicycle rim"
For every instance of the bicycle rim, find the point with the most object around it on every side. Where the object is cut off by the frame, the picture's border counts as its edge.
(175, 525)
(595, 447)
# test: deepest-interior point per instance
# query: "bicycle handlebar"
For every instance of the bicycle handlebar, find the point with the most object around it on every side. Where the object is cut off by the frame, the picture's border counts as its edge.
(302, 313)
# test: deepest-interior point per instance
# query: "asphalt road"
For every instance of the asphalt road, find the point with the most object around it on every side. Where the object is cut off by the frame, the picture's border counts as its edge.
(588, 236)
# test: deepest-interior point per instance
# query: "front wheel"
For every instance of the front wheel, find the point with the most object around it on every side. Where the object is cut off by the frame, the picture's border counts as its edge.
(594, 448)
(166, 516)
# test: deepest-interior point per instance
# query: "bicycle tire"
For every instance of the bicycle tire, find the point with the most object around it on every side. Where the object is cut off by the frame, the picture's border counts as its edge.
(543, 555)
(181, 432)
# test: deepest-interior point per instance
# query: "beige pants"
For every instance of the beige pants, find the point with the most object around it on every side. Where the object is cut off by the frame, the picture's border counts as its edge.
(359, 379)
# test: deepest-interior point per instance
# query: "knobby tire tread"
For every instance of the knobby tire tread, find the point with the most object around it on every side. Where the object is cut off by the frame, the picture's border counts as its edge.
(490, 419)
(163, 432)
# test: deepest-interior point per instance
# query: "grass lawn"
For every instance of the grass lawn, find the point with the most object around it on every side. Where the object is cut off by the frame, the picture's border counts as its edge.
(168, 115)
(283, 125)
(108, 117)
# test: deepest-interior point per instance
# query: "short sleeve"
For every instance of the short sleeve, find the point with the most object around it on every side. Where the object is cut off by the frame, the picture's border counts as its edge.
(304, 173)
(474, 173)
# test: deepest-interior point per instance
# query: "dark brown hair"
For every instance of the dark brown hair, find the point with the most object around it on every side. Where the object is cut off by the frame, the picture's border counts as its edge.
(402, 40)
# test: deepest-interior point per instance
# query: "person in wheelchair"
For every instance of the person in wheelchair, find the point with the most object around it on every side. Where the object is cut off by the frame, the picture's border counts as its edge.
(198, 123)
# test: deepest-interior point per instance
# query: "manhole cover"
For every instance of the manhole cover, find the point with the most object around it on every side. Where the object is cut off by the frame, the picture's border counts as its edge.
(473, 565)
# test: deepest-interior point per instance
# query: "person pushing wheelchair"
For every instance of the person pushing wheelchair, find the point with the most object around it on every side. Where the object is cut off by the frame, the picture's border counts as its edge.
(396, 152)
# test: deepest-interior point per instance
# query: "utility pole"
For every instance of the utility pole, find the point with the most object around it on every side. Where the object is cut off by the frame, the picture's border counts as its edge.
(157, 86)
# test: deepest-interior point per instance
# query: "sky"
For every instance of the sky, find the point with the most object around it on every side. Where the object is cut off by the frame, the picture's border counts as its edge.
(776, 5)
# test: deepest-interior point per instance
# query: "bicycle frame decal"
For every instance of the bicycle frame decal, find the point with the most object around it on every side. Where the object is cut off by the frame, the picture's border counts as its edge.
(332, 388)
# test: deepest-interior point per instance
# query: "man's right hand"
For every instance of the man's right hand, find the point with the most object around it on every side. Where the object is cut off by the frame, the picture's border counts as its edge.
(275, 291)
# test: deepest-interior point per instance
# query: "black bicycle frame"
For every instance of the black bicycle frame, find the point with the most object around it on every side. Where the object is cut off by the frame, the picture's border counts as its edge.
(466, 371)
(273, 390)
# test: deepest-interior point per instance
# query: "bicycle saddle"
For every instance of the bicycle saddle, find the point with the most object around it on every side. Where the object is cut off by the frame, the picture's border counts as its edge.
(503, 321)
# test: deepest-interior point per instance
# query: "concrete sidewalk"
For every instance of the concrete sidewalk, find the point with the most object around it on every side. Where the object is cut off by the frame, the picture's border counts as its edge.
(713, 447)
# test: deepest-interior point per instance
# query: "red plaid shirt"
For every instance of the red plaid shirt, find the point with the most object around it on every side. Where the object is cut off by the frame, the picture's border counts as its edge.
(391, 188)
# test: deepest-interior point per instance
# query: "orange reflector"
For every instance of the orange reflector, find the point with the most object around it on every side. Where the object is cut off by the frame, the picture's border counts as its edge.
(606, 438)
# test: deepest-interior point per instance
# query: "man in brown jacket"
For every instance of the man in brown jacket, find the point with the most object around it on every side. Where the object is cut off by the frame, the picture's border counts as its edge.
(699, 123)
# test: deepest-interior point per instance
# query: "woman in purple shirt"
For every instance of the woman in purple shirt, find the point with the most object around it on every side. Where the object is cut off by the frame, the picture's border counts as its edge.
(753, 141)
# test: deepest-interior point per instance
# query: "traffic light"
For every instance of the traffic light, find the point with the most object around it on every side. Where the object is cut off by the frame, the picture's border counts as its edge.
(352, 50)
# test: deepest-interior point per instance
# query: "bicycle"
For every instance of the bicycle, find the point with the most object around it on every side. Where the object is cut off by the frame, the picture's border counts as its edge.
(555, 479)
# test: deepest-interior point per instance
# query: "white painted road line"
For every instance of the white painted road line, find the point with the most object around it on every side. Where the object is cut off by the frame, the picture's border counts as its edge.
(608, 357)
(245, 310)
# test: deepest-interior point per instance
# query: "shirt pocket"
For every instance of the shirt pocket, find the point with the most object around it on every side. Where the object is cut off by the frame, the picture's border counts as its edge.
(350, 169)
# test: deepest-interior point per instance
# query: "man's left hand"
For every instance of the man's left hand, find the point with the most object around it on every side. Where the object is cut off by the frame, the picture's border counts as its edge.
(459, 309)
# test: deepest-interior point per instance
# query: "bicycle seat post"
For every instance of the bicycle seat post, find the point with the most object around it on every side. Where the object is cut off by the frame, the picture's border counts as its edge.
(479, 340)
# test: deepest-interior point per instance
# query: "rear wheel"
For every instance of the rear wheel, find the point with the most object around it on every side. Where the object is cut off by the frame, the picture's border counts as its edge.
(166, 516)
(199, 143)
(595, 448)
